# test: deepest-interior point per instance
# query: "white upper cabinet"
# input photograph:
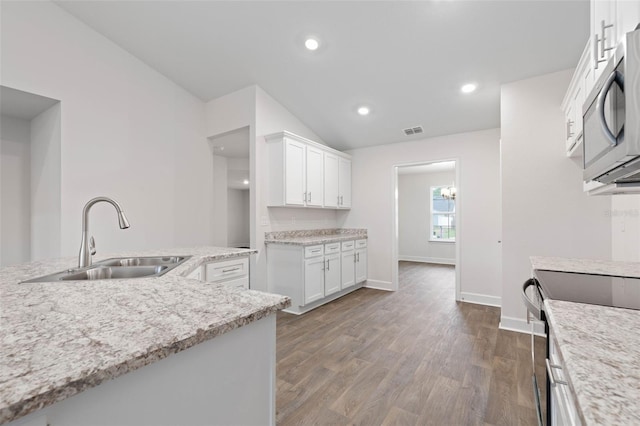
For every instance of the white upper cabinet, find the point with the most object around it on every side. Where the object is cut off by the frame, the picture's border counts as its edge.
(303, 173)
(331, 190)
(315, 177)
(610, 21)
(294, 179)
(344, 183)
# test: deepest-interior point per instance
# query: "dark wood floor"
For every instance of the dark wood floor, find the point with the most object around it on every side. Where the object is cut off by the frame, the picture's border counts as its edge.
(411, 357)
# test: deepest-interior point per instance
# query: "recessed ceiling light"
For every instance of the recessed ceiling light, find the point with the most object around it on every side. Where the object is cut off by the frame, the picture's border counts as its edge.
(311, 43)
(469, 87)
(363, 110)
(245, 182)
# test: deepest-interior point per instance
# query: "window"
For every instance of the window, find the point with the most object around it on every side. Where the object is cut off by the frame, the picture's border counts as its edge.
(443, 214)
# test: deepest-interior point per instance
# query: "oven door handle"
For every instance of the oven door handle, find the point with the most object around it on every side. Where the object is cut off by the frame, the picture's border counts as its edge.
(614, 77)
(531, 306)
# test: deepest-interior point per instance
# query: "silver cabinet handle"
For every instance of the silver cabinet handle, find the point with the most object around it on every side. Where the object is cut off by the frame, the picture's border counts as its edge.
(304, 195)
(603, 38)
(315, 251)
(569, 125)
(230, 269)
(358, 256)
(614, 77)
(338, 202)
(309, 196)
(552, 379)
(341, 200)
(328, 265)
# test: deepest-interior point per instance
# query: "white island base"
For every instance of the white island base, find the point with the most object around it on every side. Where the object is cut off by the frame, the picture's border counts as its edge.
(228, 380)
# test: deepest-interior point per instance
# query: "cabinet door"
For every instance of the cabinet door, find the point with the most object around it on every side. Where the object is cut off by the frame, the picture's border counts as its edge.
(627, 17)
(361, 265)
(332, 274)
(348, 269)
(344, 182)
(602, 11)
(315, 177)
(331, 195)
(313, 279)
(294, 182)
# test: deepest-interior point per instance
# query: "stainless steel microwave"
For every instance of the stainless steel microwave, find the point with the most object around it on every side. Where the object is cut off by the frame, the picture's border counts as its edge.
(611, 115)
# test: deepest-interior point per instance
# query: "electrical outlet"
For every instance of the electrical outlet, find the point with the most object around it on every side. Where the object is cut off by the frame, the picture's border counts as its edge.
(264, 221)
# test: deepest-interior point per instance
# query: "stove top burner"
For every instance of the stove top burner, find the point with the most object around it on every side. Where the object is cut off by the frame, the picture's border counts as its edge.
(606, 290)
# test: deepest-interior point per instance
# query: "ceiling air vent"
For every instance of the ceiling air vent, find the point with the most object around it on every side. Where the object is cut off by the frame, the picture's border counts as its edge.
(413, 130)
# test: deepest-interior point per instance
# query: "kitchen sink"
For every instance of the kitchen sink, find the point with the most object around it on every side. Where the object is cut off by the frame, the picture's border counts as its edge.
(114, 273)
(117, 268)
(143, 261)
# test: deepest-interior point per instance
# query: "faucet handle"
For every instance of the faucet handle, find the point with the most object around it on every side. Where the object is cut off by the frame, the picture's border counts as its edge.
(92, 246)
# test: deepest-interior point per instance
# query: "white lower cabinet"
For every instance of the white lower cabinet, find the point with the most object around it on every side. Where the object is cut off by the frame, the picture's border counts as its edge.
(314, 275)
(313, 279)
(232, 272)
(563, 406)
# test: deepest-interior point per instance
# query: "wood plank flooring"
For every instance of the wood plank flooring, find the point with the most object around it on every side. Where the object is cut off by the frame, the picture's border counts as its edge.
(411, 357)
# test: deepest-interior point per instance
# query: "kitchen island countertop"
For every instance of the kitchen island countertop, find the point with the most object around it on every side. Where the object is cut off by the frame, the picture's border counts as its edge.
(58, 339)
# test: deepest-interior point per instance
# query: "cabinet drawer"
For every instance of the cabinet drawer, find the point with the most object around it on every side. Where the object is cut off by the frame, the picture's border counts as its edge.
(332, 248)
(242, 282)
(313, 251)
(220, 271)
(361, 243)
(348, 245)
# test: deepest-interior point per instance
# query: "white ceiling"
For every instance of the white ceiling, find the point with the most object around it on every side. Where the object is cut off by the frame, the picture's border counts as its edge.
(406, 60)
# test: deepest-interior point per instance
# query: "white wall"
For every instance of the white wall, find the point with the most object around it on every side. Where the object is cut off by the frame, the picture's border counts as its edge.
(127, 132)
(46, 172)
(544, 210)
(15, 198)
(238, 218)
(625, 228)
(478, 162)
(414, 212)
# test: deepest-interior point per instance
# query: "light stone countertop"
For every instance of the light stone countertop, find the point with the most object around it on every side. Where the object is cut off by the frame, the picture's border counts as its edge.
(314, 236)
(586, 266)
(58, 339)
(600, 350)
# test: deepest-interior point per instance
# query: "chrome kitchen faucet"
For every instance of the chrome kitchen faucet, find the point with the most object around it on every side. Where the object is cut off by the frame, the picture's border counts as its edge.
(88, 249)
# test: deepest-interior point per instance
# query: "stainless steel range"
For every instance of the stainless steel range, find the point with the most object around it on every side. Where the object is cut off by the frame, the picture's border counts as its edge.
(605, 290)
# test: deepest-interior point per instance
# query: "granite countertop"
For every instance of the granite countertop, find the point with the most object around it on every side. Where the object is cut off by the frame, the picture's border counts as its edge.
(600, 350)
(58, 339)
(586, 266)
(314, 236)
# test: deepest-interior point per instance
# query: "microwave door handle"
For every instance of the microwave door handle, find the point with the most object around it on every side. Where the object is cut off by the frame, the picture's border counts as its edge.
(614, 77)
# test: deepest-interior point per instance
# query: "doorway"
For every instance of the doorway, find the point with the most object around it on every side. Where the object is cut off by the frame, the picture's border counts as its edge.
(426, 215)
(231, 188)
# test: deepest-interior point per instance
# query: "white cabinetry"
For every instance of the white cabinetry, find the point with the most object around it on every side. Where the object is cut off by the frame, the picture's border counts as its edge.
(314, 275)
(610, 21)
(573, 101)
(348, 272)
(303, 173)
(331, 188)
(361, 261)
(563, 406)
(232, 272)
(314, 177)
(344, 181)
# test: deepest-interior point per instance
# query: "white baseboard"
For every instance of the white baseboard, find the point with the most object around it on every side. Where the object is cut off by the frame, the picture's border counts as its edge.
(520, 325)
(379, 285)
(481, 299)
(438, 260)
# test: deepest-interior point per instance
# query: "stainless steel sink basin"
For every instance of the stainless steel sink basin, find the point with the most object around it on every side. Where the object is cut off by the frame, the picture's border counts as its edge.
(114, 273)
(117, 268)
(143, 261)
